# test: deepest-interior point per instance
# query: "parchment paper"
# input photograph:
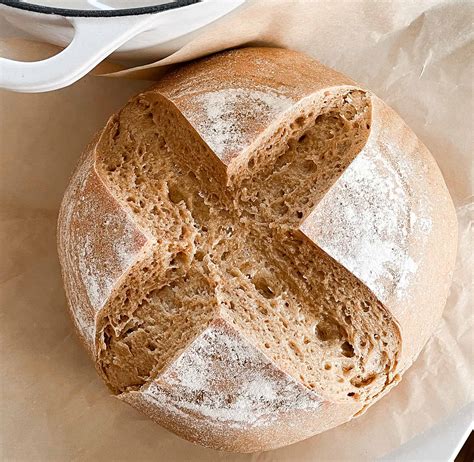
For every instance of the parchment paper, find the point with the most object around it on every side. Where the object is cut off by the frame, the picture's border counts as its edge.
(417, 56)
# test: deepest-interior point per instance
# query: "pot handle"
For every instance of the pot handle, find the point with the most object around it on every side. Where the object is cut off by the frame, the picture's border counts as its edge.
(94, 39)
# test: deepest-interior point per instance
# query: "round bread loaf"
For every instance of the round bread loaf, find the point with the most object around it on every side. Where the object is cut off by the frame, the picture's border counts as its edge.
(255, 249)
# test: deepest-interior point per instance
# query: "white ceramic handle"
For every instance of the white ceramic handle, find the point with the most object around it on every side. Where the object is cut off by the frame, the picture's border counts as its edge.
(94, 39)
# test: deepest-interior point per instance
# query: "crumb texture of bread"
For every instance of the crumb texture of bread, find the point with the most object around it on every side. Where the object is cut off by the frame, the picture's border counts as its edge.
(236, 247)
(246, 249)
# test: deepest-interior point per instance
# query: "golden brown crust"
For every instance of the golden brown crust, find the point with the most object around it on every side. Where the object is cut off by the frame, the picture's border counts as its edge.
(97, 240)
(262, 407)
(231, 98)
(234, 101)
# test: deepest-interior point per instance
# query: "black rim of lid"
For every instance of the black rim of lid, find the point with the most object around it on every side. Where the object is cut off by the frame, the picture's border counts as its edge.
(97, 13)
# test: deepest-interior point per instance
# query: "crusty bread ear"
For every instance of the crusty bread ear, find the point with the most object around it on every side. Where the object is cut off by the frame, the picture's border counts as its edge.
(257, 282)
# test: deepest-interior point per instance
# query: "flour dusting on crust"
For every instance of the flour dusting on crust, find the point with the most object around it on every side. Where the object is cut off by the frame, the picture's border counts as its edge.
(221, 359)
(368, 218)
(100, 244)
(228, 112)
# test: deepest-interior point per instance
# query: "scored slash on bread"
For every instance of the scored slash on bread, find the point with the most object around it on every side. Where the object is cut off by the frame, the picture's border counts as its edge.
(255, 249)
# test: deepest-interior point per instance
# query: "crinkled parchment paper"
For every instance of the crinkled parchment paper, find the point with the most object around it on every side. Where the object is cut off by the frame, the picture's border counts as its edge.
(416, 55)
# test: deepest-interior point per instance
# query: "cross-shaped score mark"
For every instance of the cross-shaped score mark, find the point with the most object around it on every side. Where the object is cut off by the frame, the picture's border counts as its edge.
(237, 248)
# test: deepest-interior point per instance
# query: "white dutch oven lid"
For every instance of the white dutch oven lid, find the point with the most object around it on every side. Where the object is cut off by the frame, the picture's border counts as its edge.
(98, 8)
(98, 28)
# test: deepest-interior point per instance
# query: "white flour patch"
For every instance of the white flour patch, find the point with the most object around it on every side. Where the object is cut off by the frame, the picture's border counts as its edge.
(369, 231)
(224, 378)
(227, 114)
(99, 244)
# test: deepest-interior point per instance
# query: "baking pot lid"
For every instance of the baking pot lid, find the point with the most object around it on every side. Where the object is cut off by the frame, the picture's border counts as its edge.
(97, 8)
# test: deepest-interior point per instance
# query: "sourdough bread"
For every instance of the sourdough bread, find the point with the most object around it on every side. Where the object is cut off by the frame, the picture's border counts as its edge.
(255, 249)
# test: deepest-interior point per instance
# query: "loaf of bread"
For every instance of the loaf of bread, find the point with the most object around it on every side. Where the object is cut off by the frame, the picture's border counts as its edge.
(255, 249)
